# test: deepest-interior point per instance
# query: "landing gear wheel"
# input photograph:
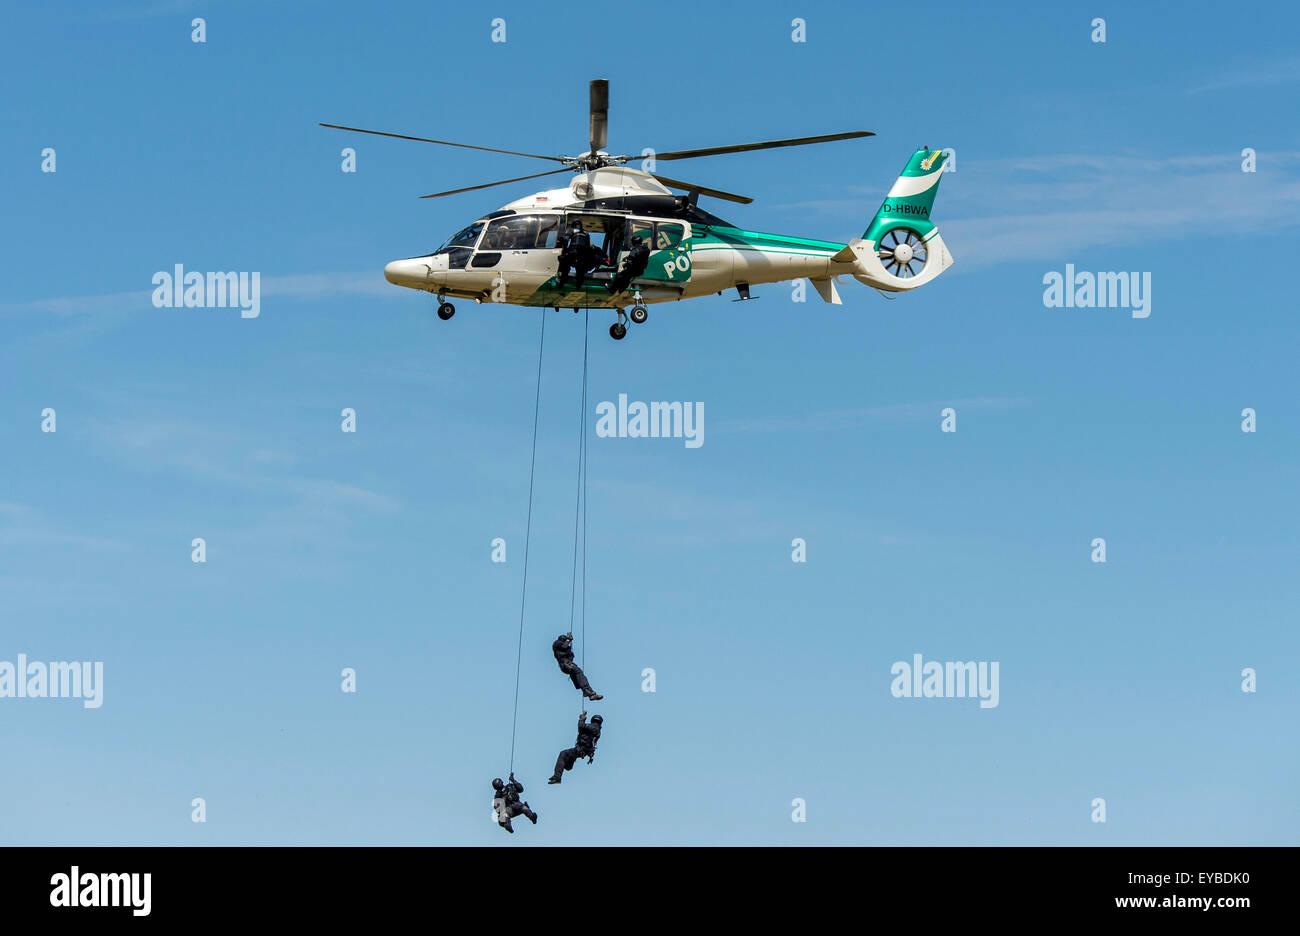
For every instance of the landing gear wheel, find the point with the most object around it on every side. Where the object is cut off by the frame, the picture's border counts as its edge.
(617, 331)
(446, 311)
(639, 314)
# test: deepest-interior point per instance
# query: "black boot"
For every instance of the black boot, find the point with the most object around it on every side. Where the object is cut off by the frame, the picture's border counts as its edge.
(554, 779)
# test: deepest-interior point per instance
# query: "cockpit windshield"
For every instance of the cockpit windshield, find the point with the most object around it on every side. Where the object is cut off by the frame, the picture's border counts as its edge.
(466, 237)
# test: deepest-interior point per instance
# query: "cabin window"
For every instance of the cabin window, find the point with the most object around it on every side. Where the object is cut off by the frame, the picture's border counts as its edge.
(524, 232)
(642, 232)
(548, 232)
(668, 236)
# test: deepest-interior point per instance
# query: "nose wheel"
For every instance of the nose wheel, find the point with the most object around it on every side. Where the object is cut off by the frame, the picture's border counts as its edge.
(639, 314)
(445, 309)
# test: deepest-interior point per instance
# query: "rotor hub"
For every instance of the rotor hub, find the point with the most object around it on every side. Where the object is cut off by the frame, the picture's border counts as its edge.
(589, 160)
(903, 253)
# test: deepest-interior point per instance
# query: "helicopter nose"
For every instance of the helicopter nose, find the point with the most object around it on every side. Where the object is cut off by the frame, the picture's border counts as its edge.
(411, 272)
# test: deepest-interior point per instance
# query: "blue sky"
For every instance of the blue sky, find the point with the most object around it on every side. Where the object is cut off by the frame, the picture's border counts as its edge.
(372, 550)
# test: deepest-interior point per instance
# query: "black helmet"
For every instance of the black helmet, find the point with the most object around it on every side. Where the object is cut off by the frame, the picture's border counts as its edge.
(596, 719)
(497, 784)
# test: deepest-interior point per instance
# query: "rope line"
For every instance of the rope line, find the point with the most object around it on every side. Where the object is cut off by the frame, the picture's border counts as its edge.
(528, 531)
(585, 335)
(577, 515)
(580, 507)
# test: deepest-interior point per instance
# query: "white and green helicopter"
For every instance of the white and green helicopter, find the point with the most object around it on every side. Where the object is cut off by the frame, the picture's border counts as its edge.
(514, 255)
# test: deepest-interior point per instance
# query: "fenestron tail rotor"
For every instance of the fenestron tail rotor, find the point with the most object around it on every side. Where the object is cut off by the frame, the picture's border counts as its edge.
(903, 253)
(596, 158)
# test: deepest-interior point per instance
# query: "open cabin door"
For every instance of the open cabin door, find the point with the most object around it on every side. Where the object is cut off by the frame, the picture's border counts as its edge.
(670, 252)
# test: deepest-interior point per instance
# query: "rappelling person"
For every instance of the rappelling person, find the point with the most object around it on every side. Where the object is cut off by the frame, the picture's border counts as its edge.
(585, 746)
(577, 255)
(563, 650)
(632, 265)
(506, 802)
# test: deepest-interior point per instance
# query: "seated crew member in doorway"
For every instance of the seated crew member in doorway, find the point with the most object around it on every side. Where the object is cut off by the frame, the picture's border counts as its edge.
(506, 802)
(592, 259)
(585, 746)
(563, 650)
(633, 265)
(576, 255)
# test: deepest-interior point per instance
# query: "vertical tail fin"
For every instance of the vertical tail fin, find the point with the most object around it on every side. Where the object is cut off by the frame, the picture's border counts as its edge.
(910, 200)
(901, 247)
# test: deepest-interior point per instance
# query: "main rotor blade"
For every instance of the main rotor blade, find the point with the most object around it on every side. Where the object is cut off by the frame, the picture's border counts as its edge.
(599, 97)
(770, 144)
(403, 136)
(692, 187)
(473, 188)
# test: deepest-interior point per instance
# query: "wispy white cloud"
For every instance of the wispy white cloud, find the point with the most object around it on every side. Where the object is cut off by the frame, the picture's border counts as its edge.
(23, 526)
(369, 284)
(853, 418)
(315, 285)
(157, 8)
(1046, 207)
(226, 458)
(1255, 74)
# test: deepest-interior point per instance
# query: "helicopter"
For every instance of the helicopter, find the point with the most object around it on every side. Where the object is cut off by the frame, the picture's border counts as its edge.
(617, 237)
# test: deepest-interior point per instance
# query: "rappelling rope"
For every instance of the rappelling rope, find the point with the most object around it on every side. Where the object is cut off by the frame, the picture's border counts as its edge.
(580, 504)
(528, 530)
(584, 490)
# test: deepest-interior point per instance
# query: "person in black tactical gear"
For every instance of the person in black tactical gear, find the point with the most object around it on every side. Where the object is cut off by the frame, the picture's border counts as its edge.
(633, 265)
(563, 650)
(507, 804)
(585, 746)
(578, 255)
